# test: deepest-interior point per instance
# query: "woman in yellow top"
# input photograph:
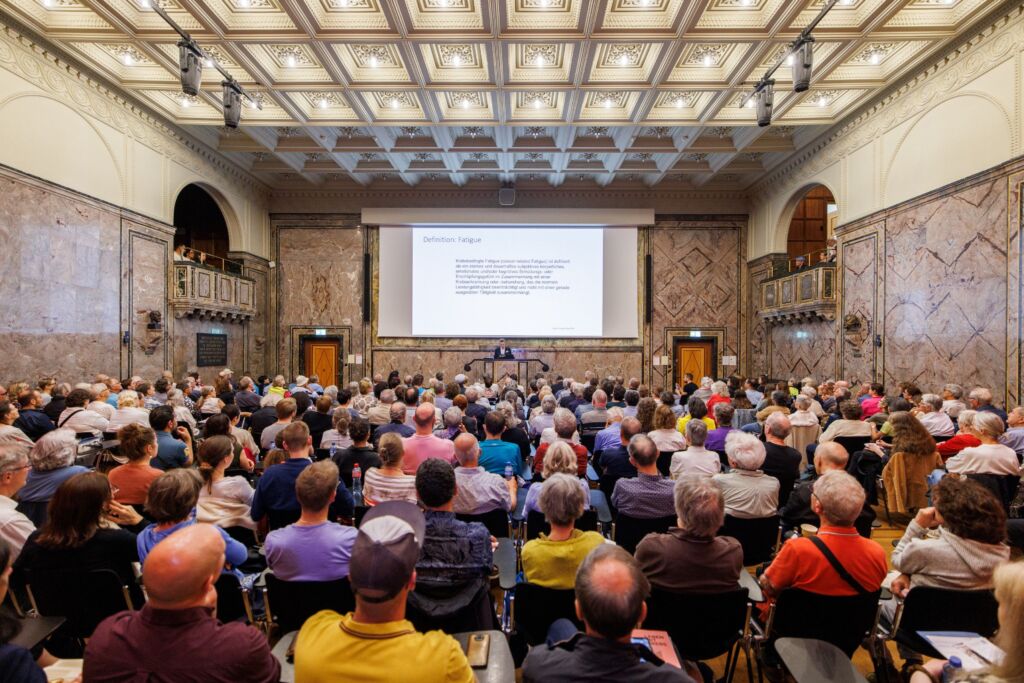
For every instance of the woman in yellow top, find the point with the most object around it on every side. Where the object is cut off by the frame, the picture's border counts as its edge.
(551, 560)
(696, 409)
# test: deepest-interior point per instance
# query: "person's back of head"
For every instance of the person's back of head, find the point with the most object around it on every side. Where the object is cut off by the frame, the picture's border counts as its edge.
(632, 398)
(181, 570)
(778, 425)
(494, 424)
(830, 456)
(696, 408)
(423, 418)
(317, 485)
(160, 418)
(611, 592)
(723, 414)
(561, 499)
(323, 404)
(630, 428)
(295, 439)
(435, 483)
(840, 498)
(850, 410)
(173, 495)
(467, 450)
(699, 505)
(744, 451)
(74, 511)
(217, 425)
(780, 398)
(697, 432)
(396, 413)
(358, 430)
(643, 451)
(134, 441)
(286, 409)
(161, 385)
(412, 395)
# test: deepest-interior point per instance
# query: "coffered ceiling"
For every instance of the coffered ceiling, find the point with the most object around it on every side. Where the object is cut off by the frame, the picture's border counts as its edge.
(400, 92)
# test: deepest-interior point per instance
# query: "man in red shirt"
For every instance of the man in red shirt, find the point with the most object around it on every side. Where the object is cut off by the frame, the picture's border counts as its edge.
(838, 499)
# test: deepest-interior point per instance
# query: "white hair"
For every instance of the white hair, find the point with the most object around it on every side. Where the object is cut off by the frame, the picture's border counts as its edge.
(271, 400)
(809, 391)
(745, 451)
(706, 382)
(841, 497)
(721, 389)
(933, 400)
(778, 425)
(981, 395)
(802, 402)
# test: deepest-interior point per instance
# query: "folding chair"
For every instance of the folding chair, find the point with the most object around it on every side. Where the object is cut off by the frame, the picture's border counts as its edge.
(536, 524)
(535, 608)
(628, 531)
(705, 625)
(759, 537)
(84, 598)
(496, 521)
(232, 600)
(844, 620)
(290, 603)
(941, 609)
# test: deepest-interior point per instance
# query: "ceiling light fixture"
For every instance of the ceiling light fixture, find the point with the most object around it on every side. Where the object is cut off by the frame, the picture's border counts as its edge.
(538, 103)
(324, 104)
(876, 57)
(545, 3)
(395, 104)
(608, 102)
(456, 60)
(144, 4)
(466, 103)
(822, 101)
(245, 4)
(291, 61)
(623, 59)
(801, 51)
(184, 102)
(708, 60)
(126, 58)
(373, 61)
(680, 102)
(539, 61)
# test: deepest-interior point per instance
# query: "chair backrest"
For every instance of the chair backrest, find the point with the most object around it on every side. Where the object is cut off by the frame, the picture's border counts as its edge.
(629, 531)
(606, 484)
(1004, 486)
(452, 608)
(37, 511)
(536, 524)
(359, 513)
(278, 519)
(842, 620)
(702, 625)
(665, 462)
(84, 598)
(495, 520)
(290, 603)
(743, 416)
(536, 608)
(802, 435)
(232, 601)
(587, 441)
(852, 444)
(243, 535)
(757, 536)
(943, 609)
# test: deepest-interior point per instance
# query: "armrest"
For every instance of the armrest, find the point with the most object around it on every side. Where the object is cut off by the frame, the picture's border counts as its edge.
(505, 560)
(754, 591)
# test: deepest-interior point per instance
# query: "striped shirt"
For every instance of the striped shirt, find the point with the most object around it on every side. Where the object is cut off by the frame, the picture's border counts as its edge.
(378, 487)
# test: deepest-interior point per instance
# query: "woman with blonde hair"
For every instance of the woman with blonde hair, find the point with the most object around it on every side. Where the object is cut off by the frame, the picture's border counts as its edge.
(389, 482)
(1009, 583)
(559, 459)
(208, 403)
(223, 501)
(128, 411)
(365, 399)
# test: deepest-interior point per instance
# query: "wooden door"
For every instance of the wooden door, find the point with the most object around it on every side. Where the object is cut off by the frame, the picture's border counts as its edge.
(320, 357)
(696, 358)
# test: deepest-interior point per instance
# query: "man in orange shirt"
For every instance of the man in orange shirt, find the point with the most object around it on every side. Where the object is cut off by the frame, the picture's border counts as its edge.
(838, 499)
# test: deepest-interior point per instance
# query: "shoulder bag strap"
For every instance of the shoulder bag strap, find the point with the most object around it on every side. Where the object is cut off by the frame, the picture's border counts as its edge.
(840, 569)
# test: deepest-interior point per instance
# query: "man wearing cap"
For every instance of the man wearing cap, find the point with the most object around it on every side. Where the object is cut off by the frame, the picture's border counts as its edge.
(376, 642)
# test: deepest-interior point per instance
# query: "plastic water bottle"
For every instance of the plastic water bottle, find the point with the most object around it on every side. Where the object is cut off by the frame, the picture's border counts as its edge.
(952, 670)
(334, 449)
(357, 484)
(508, 471)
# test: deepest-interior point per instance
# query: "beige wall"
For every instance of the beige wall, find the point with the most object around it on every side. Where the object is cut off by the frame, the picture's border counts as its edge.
(59, 125)
(961, 116)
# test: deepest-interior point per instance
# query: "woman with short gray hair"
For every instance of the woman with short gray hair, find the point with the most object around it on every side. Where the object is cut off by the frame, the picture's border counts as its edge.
(990, 457)
(952, 400)
(53, 463)
(551, 559)
(558, 459)
(691, 557)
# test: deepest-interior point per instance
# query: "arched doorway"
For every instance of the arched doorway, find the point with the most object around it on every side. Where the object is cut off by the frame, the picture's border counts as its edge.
(812, 225)
(199, 222)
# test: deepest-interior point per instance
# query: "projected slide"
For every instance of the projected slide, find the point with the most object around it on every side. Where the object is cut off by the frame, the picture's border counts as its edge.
(508, 281)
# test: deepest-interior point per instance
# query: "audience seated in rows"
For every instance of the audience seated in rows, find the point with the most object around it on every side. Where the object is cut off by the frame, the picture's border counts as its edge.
(223, 501)
(53, 462)
(848, 424)
(31, 420)
(495, 454)
(220, 425)
(275, 491)
(478, 491)
(748, 492)
(797, 509)
(387, 481)
(77, 417)
(397, 425)
(551, 559)
(175, 637)
(609, 436)
(990, 456)
(174, 442)
(929, 412)
(375, 642)
(615, 462)
(648, 495)
(696, 409)
(690, 558)
(128, 411)
(9, 433)
(611, 594)
(314, 548)
(664, 434)
(131, 480)
(285, 409)
(913, 458)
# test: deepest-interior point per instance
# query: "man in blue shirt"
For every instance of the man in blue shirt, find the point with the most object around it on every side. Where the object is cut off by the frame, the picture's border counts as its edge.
(171, 452)
(275, 492)
(609, 436)
(495, 453)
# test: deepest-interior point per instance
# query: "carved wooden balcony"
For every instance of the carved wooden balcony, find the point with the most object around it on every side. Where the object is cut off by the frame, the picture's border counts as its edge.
(803, 295)
(199, 291)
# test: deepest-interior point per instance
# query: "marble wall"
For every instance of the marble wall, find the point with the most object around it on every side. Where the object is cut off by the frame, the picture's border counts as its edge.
(802, 350)
(184, 347)
(932, 276)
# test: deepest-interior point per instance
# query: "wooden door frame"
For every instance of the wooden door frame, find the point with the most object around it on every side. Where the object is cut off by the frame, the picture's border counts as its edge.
(677, 339)
(338, 381)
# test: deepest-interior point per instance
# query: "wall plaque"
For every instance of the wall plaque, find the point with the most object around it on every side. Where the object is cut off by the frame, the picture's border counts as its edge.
(211, 350)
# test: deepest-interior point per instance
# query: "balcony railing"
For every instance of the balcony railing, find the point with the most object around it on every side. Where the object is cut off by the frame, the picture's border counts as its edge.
(184, 254)
(202, 292)
(806, 294)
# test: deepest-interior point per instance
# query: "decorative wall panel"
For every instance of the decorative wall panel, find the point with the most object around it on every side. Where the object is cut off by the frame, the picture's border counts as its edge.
(807, 349)
(859, 318)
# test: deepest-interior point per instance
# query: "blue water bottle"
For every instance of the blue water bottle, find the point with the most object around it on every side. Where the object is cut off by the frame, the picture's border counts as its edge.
(334, 449)
(952, 670)
(508, 471)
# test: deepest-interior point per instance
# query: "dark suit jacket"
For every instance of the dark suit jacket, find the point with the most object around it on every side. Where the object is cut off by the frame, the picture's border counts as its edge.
(508, 352)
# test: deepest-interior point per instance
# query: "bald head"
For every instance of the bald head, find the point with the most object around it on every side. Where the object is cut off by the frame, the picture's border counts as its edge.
(830, 456)
(181, 569)
(467, 450)
(630, 428)
(424, 418)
